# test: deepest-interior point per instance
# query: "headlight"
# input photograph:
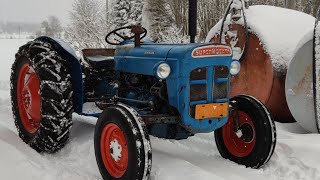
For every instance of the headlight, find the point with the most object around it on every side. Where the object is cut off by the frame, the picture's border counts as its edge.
(235, 67)
(162, 70)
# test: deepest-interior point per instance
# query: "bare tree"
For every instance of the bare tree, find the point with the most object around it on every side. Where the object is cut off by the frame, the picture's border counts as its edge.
(316, 6)
(179, 9)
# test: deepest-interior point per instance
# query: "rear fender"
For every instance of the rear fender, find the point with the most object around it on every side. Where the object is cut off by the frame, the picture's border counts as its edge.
(66, 52)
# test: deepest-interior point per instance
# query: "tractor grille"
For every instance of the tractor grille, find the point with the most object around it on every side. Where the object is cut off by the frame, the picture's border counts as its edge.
(198, 92)
(198, 74)
(201, 81)
(220, 90)
(221, 72)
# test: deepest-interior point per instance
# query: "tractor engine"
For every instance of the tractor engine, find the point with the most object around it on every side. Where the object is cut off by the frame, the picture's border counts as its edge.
(151, 93)
(140, 91)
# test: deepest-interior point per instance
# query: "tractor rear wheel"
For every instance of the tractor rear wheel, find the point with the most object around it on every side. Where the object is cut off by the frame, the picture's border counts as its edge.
(254, 145)
(41, 97)
(122, 145)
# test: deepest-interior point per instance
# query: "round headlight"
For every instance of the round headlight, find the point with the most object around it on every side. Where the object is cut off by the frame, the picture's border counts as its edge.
(235, 67)
(162, 70)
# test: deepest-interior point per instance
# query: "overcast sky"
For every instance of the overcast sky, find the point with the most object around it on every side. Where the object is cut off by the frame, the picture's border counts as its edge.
(34, 10)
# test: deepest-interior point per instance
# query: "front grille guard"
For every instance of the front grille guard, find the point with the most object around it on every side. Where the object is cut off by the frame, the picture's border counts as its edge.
(208, 85)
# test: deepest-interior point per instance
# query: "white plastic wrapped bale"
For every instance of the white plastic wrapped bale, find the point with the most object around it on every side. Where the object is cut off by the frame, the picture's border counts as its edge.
(299, 85)
(303, 82)
(274, 35)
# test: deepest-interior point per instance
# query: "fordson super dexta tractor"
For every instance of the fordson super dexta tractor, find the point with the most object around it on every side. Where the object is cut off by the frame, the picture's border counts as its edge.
(168, 91)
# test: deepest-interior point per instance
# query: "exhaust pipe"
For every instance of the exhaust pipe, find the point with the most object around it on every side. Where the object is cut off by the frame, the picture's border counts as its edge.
(193, 15)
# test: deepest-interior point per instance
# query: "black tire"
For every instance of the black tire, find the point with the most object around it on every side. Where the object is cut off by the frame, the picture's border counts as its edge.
(55, 91)
(136, 139)
(262, 140)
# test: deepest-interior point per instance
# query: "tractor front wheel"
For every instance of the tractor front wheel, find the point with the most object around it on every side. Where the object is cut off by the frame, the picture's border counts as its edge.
(252, 143)
(122, 145)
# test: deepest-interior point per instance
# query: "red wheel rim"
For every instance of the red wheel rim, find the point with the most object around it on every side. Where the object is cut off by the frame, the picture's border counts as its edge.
(28, 95)
(114, 150)
(243, 146)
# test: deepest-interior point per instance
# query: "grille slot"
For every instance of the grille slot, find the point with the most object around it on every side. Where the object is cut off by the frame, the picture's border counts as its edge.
(220, 90)
(221, 72)
(198, 92)
(198, 74)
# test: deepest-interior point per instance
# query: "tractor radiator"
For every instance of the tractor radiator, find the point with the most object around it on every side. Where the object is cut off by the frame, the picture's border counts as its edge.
(205, 89)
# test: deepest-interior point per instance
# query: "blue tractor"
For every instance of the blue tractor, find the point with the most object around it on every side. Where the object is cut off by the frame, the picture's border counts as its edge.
(170, 91)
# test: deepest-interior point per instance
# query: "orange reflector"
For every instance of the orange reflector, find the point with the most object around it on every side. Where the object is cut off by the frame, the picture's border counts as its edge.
(215, 110)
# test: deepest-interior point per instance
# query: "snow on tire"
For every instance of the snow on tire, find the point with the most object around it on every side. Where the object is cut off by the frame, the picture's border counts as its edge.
(41, 97)
(255, 144)
(122, 145)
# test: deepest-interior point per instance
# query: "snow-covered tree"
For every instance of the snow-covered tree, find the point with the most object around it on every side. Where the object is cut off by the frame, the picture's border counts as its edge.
(55, 26)
(159, 19)
(51, 27)
(166, 21)
(127, 12)
(173, 35)
(88, 25)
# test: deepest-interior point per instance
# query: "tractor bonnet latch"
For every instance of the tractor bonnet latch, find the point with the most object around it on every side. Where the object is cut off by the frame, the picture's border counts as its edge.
(137, 30)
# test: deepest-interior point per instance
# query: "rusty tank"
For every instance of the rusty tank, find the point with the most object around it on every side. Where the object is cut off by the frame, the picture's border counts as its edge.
(264, 58)
(257, 76)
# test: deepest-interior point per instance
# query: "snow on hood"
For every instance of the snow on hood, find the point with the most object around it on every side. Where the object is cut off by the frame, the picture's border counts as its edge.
(280, 30)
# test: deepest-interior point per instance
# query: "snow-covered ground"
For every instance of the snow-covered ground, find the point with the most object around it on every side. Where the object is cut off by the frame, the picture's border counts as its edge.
(296, 156)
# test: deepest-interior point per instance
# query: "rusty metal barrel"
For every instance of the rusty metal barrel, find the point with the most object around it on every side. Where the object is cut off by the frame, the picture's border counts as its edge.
(258, 77)
(271, 42)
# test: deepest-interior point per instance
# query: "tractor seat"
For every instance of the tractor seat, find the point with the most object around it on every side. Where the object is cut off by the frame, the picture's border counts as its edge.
(99, 58)
(100, 61)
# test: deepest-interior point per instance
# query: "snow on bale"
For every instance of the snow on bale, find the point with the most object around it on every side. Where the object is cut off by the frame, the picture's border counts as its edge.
(274, 34)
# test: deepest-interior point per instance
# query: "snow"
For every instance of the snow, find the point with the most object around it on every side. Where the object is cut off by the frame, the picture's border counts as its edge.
(296, 154)
(280, 30)
(8, 49)
(22, 35)
(236, 4)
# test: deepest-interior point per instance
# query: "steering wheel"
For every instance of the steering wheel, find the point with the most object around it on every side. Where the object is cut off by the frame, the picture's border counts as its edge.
(120, 33)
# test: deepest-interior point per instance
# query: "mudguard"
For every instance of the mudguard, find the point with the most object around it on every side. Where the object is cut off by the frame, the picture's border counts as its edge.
(69, 54)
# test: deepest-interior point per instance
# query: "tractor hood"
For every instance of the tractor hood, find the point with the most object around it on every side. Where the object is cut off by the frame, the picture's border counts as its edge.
(155, 50)
(142, 59)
